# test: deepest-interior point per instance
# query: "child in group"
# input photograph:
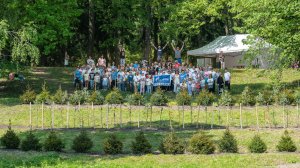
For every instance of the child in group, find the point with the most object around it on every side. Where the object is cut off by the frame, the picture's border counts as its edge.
(105, 82)
(92, 78)
(210, 83)
(149, 84)
(142, 84)
(97, 81)
(202, 84)
(189, 87)
(86, 79)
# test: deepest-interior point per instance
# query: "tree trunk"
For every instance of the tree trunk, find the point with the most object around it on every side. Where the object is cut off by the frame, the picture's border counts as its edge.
(91, 29)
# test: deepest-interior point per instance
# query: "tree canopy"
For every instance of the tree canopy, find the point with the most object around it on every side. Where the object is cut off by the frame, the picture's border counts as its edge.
(43, 30)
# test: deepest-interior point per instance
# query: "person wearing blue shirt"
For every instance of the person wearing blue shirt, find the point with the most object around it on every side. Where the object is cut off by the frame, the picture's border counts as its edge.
(136, 65)
(114, 76)
(130, 81)
(77, 78)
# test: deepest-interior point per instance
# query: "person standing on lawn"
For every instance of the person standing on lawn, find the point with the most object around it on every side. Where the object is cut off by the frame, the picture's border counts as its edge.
(220, 83)
(122, 54)
(178, 51)
(227, 77)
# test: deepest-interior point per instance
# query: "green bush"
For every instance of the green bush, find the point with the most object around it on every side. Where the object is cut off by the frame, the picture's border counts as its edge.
(205, 98)
(286, 144)
(201, 143)
(247, 97)
(297, 96)
(158, 98)
(225, 99)
(141, 144)
(183, 98)
(53, 143)
(114, 97)
(257, 145)
(112, 145)
(96, 98)
(82, 143)
(135, 99)
(286, 97)
(31, 143)
(10, 140)
(79, 96)
(28, 96)
(228, 143)
(171, 144)
(44, 96)
(60, 97)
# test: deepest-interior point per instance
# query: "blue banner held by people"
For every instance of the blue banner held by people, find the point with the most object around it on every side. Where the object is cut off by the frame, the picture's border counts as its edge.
(162, 80)
(182, 77)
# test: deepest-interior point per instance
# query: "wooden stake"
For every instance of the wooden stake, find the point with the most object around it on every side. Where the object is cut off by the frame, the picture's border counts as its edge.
(298, 114)
(130, 114)
(101, 118)
(42, 115)
(81, 116)
(191, 115)
(170, 119)
(227, 111)
(52, 116)
(183, 117)
(256, 113)
(151, 116)
(68, 114)
(120, 115)
(160, 120)
(139, 114)
(219, 115)
(241, 119)
(93, 113)
(198, 116)
(30, 115)
(107, 116)
(283, 116)
(212, 120)
(206, 115)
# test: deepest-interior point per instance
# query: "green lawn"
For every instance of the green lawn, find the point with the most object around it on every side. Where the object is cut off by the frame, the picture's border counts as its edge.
(97, 159)
(56, 76)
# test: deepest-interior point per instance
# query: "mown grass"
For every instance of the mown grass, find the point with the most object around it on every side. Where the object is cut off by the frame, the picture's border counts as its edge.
(128, 117)
(33, 159)
(97, 159)
(10, 91)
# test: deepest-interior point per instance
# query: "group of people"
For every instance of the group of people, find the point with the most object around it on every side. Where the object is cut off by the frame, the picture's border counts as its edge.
(138, 77)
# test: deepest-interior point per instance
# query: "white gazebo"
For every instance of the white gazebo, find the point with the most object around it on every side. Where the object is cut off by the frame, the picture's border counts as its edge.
(233, 48)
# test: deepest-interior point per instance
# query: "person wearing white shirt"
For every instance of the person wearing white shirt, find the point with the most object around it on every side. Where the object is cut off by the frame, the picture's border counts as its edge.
(227, 79)
(136, 80)
(149, 84)
(210, 83)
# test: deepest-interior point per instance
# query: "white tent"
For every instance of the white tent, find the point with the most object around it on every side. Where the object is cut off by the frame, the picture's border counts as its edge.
(233, 48)
(227, 44)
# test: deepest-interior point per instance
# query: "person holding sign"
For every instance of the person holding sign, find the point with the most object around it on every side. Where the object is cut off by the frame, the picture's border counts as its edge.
(177, 51)
(159, 51)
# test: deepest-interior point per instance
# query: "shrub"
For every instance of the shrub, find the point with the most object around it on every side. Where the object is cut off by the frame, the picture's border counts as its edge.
(60, 97)
(44, 96)
(79, 96)
(158, 98)
(225, 99)
(114, 97)
(201, 143)
(28, 96)
(205, 98)
(141, 144)
(183, 98)
(82, 143)
(112, 145)
(228, 143)
(257, 145)
(135, 99)
(247, 97)
(31, 143)
(10, 140)
(286, 97)
(297, 96)
(264, 98)
(286, 143)
(53, 143)
(96, 98)
(171, 144)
